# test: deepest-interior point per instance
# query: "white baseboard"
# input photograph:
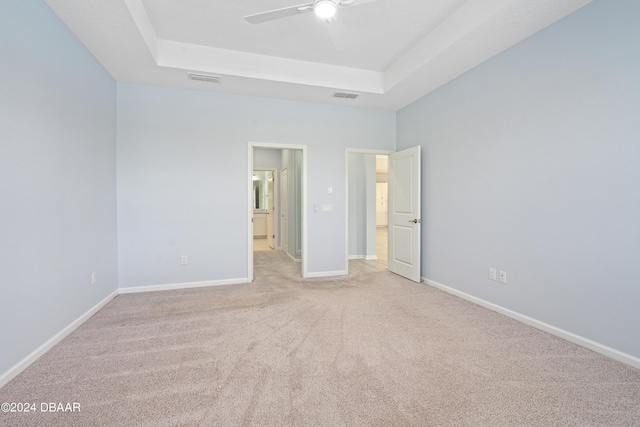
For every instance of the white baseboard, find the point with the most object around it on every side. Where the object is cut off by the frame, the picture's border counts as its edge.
(364, 257)
(326, 274)
(294, 259)
(173, 286)
(561, 333)
(24, 363)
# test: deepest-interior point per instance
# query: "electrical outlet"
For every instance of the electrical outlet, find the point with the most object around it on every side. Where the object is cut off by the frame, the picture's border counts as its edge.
(503, 276)
(492, 273)
(93, 278)
(315, 207)
(183, 260)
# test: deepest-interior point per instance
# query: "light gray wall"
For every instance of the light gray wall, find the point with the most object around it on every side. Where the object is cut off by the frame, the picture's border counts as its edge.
(357, 205)
(182, 178)
(57, 179)
(266, 158)
(531, 165)
(362, 205)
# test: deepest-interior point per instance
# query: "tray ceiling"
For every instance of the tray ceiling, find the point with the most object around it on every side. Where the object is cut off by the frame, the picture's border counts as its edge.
(399, 50)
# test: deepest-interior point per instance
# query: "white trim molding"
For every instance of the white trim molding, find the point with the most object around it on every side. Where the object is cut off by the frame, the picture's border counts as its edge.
(188, 285)
(364, 257)
(34, 355)
(560, 333)
(326, 274)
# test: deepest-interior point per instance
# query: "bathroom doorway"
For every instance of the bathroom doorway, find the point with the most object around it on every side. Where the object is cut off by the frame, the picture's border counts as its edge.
(265, 199)
(268, 229)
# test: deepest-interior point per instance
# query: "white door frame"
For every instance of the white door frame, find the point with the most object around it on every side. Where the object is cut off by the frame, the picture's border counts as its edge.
(303, 207)
(346, 195)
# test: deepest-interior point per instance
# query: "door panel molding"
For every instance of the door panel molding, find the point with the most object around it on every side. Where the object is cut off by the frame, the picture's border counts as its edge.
(404, 213)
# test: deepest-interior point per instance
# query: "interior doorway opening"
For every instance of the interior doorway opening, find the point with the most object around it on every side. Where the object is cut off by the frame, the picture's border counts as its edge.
(277, 200)
(265, 199)
(367, 211)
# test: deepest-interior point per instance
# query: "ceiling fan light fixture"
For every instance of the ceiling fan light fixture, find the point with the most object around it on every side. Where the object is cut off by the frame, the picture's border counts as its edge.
(325, 8)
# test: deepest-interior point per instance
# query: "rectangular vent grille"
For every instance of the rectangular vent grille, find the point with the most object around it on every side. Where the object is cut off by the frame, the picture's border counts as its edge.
(345, 95)
(204, 77)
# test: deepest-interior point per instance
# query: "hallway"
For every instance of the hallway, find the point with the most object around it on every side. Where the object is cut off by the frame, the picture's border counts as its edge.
(267, 262)
(360, 266)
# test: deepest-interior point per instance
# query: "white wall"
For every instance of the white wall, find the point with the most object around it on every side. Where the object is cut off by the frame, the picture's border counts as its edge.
(266, 158)
(57, 179)
(531, 165)
(182, 178)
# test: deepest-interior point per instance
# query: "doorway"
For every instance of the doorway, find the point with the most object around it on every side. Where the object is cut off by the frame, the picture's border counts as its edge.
(367, 211)
(265, 199)
(404, 206)
(287, 234)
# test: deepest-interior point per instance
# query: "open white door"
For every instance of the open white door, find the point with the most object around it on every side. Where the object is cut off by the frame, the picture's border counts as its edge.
(404, 213)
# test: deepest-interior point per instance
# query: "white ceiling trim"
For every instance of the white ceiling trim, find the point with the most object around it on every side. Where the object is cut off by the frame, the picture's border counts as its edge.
(242, 64)
(137, 44)
(141, 19)
(468, 17)
(187, 56)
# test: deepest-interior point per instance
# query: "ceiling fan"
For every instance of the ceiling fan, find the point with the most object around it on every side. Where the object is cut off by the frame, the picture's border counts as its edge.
(325, 9)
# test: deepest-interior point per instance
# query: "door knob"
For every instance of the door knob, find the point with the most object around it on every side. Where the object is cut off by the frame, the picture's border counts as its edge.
(415, 221)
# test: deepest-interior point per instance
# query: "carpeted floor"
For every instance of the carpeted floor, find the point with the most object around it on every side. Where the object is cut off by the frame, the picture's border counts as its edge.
(370, 350)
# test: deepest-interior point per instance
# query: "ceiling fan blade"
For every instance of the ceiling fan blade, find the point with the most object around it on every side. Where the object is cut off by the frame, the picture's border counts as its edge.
(339, 34)
(271, 15)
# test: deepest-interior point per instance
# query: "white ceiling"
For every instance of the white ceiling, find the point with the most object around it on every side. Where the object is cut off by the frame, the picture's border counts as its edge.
(400, 49)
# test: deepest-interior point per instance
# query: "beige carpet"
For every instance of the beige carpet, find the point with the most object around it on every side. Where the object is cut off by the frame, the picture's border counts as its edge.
(370, 350)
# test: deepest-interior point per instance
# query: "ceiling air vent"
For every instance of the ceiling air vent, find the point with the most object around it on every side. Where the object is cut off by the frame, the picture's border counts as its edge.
(345, 95)
(204, 77)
